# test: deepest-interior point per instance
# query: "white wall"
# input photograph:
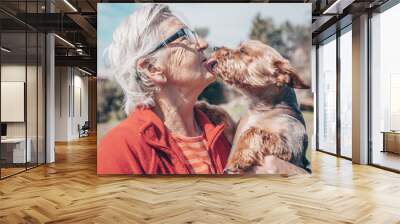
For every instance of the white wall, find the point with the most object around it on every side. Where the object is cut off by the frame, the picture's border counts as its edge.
(61, 103)
(50, 94)
(12, 73)
(33, 126)
(360, 90)
(70, 84)
(80, 100)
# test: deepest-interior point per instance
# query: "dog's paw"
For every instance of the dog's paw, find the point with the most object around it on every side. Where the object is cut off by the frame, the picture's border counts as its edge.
(253, 146)
(249, 151)
(243, 161)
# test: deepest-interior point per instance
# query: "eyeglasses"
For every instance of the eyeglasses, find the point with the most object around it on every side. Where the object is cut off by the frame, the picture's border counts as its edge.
(184, 32)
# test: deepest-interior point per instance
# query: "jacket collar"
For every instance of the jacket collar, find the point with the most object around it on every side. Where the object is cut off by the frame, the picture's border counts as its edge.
(212, 132)
(154, 131)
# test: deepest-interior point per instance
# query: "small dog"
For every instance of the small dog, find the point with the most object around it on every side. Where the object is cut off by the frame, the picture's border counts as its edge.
(273, 125)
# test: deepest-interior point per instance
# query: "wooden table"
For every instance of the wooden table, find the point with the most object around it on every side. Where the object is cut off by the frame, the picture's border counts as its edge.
(391, 141)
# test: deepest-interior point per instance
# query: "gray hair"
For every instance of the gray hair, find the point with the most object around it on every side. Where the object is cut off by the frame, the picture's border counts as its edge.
(135, 37)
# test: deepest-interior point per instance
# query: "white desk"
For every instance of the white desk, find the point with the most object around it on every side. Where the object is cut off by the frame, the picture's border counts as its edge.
(17, 145)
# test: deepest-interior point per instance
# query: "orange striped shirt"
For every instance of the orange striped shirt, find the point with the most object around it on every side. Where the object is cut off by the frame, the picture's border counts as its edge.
(195, 151)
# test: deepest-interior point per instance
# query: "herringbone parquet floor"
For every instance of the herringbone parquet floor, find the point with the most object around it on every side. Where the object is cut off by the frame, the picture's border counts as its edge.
(69, 191)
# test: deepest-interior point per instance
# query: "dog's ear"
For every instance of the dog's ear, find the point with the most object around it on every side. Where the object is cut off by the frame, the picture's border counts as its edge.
(285, 74)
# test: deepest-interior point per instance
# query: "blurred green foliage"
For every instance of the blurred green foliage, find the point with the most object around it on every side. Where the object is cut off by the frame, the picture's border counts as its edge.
(214, 93)
(110, 101)
(285, 38)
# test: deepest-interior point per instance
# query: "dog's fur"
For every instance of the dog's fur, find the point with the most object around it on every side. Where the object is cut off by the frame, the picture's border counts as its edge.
(217, 116)
(273, 125)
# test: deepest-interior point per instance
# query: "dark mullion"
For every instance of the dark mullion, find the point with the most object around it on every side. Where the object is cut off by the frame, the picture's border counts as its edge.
(26, 86)
(45, 91)
(37, 90)
(45, 96)
(73, 92)
(338, 77)
(60, 86)
(316, 96)
(369, 91)
(0, 95)
(69, 91)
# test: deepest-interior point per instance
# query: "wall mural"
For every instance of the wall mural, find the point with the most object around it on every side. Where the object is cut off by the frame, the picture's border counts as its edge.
(204, 88)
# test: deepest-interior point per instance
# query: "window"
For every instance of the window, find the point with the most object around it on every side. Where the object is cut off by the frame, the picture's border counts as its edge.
(346, 93)
(385, 89)
(327, 96)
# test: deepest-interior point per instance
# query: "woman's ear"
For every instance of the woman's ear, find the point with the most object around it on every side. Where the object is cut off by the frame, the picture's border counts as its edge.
(152, 72)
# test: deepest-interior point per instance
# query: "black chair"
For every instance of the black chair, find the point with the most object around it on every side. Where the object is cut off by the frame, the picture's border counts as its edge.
(84, 130)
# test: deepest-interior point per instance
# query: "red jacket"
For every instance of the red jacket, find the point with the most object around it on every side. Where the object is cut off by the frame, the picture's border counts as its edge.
(141, 145)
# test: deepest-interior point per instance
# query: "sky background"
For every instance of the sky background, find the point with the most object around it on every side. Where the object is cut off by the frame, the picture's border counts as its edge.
(228, 23)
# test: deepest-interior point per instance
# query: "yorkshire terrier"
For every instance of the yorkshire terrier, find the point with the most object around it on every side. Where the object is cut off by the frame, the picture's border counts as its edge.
(273, 125)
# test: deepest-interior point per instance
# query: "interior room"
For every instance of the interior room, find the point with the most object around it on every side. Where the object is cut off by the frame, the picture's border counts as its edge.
(27, 59)
(72, 92)
(22, 100)
(49, 119)
(385, 87)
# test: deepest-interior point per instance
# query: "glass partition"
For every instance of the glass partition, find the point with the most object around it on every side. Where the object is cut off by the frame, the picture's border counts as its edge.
(31, 99)
(346, 93)
(41, 109)
(385, 89)
(13, 94)
(327, 96)
(22, 77)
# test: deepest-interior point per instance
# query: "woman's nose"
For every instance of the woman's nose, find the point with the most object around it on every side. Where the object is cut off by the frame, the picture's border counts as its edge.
(202, 44)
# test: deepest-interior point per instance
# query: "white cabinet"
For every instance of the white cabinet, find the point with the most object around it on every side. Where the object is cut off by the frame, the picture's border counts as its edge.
(17, 148)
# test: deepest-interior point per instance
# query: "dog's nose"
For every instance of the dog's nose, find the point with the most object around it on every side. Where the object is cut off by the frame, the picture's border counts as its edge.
(216, 48)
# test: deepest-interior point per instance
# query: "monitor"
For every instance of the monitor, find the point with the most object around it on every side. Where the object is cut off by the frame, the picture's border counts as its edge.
(3, 129)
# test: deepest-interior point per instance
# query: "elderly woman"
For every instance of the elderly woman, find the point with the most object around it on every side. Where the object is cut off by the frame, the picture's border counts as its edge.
(160, 64)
